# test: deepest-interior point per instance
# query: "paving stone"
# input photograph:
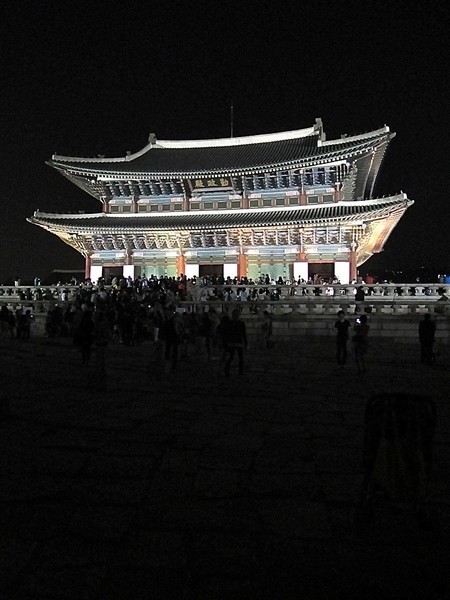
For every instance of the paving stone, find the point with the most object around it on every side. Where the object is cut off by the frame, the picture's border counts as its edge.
(104, 466)
(16, 552)
(223, 553)
(225, 459)
(301, 484)
(144, 583)
(100, 522)
(38, 520)
(292, 518)
(68, 583)
(218, 484)
(198, 487)
(151, 549)
(198, 514)
(31, 487)
(113, 491)
(166, 485)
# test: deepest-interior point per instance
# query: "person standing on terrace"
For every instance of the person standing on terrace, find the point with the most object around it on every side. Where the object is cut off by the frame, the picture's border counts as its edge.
(427, 330)
(360, 334)
(235, 337)
(342, 326)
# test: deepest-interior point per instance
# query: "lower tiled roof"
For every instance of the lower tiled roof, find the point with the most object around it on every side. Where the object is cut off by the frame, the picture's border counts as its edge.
(301, 215)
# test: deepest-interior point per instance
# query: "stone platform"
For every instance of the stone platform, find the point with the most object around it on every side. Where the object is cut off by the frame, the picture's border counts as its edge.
(192, 486)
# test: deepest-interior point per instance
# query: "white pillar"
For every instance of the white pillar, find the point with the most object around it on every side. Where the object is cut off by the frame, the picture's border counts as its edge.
(192, 270)
(342, 271)
(128, 271)
(301, 270)
(96, 273)
(230, 270)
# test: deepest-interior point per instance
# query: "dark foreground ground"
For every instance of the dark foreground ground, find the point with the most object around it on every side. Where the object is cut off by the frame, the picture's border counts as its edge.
(194, 486)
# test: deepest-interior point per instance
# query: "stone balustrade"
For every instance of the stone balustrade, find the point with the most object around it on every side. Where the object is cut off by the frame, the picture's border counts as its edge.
(394, 311)
(395, 299)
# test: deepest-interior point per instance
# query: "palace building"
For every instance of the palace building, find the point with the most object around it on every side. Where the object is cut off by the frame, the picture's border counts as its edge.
(292, 204)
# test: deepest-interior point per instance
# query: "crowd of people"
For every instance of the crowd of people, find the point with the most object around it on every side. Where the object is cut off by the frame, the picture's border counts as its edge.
(131, 312)
(15, 323)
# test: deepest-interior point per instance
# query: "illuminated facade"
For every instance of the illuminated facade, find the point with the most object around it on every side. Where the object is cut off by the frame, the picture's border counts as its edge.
(290, 204)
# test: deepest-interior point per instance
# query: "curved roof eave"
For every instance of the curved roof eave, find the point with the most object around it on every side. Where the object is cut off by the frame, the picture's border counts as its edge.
(225, 219)
(335, 156)
(291, 149)
(202, 143)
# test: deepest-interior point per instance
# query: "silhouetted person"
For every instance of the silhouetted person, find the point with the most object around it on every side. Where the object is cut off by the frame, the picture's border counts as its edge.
(342, 326)
(221, 333)
(360, 333)
(266, 330)
(235, 341)
(170, 333)
(427, 330)
(360, 296)
(102, 335)
(398, 441)
(84, 334)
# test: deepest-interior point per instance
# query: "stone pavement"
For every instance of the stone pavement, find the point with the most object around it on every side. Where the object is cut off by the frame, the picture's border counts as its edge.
(194, 486)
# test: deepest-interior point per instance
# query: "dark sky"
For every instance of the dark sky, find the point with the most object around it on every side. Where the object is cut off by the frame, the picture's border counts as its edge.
(86, 78)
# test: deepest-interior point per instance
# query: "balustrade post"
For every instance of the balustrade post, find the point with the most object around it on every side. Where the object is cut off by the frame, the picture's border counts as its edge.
(434, 290)
(405, 290)
(350, 291)
(377, 290)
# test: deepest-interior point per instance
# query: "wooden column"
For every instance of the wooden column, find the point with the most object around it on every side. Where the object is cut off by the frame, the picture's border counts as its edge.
(242, 265)
(353, 271)
(87, 267)
(181, 265)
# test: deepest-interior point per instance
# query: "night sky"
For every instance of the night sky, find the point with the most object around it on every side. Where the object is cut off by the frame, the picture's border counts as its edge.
(87, 78)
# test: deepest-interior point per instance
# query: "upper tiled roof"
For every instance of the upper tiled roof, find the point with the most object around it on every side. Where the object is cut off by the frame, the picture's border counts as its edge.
(228, 155)
(301, 215)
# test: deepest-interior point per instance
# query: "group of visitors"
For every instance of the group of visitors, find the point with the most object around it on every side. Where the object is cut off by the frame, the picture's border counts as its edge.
(174, 334)
(15, 324)
(133, 311)
(360, 332)
(359, 340)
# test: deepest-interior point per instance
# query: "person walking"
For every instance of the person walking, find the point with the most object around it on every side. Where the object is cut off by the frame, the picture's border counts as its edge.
(102, 336)
(427, 330)
(360, 296)
(235, 338)
(84, 334)
(342, 326)
(360, 333)
(171, 334)
(266, 331)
